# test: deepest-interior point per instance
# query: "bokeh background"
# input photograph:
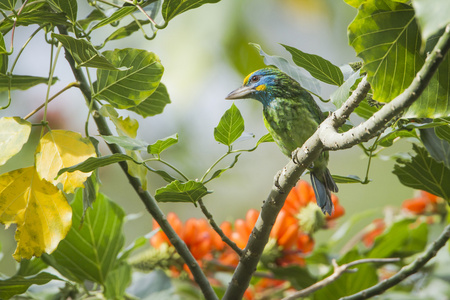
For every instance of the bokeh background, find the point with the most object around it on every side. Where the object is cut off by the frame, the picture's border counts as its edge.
(206, 55)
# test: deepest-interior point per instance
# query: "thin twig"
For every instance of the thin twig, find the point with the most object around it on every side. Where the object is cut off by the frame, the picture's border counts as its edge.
(338, 271)
(217, 229)
(70, 85)
(406, 271)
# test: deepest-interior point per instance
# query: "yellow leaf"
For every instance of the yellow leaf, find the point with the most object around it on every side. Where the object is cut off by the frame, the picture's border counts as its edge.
(124, 127)
(39, 209)
(14, 133)
(60, 149)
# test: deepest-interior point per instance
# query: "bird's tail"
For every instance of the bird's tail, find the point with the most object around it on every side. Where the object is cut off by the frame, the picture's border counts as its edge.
(323, 184)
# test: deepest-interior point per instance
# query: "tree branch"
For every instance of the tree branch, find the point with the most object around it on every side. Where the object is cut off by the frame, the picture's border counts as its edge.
(338, 271)
(146, 198)
(326, 135)
(405, 271)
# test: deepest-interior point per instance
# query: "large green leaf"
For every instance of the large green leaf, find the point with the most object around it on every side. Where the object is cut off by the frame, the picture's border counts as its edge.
(177, 191)
(89, 252)
(14, 133)
(124, 89)
(161, 145)
(231, 126)
(17, 285)
(69, 7)
(40, 17)
(424, 173)
(172, 8)
(431, 15)
(21, 82)
(154, 104)
(93, 163)
(84, 53)
(317, 66)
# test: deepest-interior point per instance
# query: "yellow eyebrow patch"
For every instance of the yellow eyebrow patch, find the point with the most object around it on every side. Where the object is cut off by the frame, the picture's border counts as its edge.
(261, 87)
(248, 77)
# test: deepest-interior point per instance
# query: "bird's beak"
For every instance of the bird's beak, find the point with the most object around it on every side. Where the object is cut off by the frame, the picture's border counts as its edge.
(240, 93)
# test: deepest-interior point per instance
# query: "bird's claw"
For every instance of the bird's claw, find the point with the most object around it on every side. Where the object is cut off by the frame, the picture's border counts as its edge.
(277, 182)
(294, 156)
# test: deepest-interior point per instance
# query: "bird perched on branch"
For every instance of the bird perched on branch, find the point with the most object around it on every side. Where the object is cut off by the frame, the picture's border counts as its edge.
(291, 115)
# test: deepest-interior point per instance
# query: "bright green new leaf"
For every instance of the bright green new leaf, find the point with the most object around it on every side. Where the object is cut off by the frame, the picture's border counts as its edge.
(14, 133)
(424, 173)
(17, 284)
(177, 191)
(126, 142)
(93, 163)
(60, 149)
(69, 7)
(431, 15)
(89, 252)
(22, 82)
(84, 53)
(116, 16)
(267, 138)
(172, 8)
(317, 66)
(38, 208)
(230, 127)
(341, 94)
(124, 89)
(154, 104)
(161, 145)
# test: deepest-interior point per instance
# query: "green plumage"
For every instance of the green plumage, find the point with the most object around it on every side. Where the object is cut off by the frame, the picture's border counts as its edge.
(291, 115)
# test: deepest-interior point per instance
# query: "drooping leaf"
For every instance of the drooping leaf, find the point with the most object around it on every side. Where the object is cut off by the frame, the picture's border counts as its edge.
(60, 149)
(219, 172)
(14, 133)
(154, 104)
(438, 148)
(69, 7)
(124, 126)
(93, 163)
(177, 191)
(172, 8)
(347, 179)
(22, 82)
(39, 209)
(89, 252)
(424, 173)
(124, 89)
(230, 127)
(431, 16)
(126, 142)
(161, 145)
(116, 16)
(127, 30)
(17, 284)
(341, 94)
(317, 66)
(311, 84)
(84, 53)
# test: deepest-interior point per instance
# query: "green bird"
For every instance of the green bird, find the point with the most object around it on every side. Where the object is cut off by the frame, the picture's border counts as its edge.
(291, 115)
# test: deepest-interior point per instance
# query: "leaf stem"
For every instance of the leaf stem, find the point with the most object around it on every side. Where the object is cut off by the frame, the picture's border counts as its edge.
(169, 165)
(215, 164)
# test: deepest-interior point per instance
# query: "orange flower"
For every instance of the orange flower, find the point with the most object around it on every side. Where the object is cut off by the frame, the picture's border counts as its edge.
(422, 204)
(375, 229)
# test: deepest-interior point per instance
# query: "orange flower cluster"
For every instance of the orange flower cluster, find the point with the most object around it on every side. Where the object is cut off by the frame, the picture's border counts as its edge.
(424, 203)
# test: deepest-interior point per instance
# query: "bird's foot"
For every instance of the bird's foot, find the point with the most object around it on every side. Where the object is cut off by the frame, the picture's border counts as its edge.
(277, 182)
(295, 159)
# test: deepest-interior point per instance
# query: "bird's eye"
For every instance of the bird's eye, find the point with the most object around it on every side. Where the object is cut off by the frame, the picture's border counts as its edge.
(255, 78)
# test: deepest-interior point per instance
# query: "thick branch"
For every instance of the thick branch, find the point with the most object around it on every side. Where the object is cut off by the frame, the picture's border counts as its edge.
(405, 271)
(146, 198)
(327, 136)
(338, 271)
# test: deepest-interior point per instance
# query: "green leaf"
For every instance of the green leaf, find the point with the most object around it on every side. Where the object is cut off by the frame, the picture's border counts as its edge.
(267, 138)
(391, 137)
(17, 285)
(439, 149)
(317, 66)
(30, 267)
(124, 126)
(126, 142)
(127, 30)
(14, 133)
(90, 192)
(443, 132)
(164, 175)
(219, 172)
(230, 127)
(22, 82)
(116, 16)
(177, 191)
(7, 4)
(89, 252)
(154, 104)
(299, 277)
(117, 281)
(84, 53)
(347, 179)
(172, 8)
(311, 84)
(124, 89)
(93, 163)
(402, 239)
(94, 15)
(161, 145)
(2, 45)
(365, 110)
(137, 170)
(432, 16)
(341, 94)
(69, 7)
(424, 173)
(35, 17)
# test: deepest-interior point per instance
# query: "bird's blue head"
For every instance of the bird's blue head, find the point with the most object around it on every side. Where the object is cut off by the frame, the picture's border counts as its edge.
(265, 85)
